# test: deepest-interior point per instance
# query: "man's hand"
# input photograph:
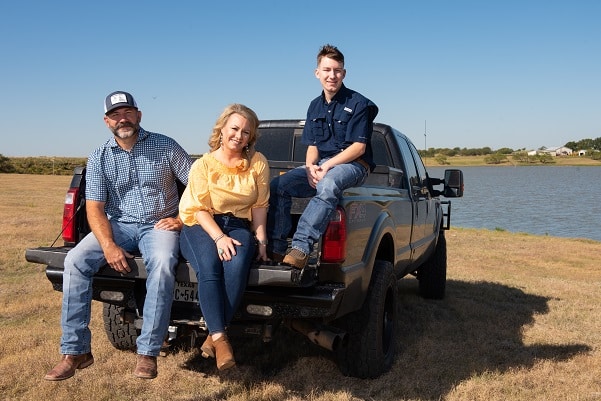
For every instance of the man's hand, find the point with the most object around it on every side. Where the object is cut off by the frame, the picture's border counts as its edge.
(169, 224)
(116, 257)
(313, 174)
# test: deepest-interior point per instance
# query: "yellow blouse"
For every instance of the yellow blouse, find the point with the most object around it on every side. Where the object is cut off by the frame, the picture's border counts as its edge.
(219, 189)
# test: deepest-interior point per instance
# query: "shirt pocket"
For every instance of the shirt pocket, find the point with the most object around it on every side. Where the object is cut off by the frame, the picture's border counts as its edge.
(341, 121)
(319, 128)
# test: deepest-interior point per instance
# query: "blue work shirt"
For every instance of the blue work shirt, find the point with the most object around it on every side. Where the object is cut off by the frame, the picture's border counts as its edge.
(333, 127)
(138, 186)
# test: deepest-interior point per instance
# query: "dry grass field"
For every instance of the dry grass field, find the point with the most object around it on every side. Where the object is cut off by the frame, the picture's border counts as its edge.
(521, 321)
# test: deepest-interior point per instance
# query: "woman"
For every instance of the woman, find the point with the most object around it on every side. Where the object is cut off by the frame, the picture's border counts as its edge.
(224, 210)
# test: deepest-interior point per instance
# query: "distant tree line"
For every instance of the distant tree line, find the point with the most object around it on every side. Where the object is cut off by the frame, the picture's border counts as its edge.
(433, 152)
(591, 146)
(40, 165)
(585, 144)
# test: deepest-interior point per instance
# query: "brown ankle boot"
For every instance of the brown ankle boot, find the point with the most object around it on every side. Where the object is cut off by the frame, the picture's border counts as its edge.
(67, 366)
(207, 348)
(146, 367)
(223, 353)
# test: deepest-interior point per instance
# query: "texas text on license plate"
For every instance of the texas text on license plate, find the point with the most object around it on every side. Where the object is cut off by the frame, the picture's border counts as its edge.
(185, 292)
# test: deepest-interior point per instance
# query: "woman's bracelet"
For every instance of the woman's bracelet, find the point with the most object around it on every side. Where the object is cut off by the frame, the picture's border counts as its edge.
(217, 238)
(262, 242)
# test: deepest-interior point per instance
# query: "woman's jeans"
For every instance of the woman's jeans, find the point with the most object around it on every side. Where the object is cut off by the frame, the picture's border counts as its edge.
(221, 284)
(160, 251)
(316, 216)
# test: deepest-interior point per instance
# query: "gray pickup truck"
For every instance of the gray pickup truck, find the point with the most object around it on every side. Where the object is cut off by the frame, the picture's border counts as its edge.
(345, 300)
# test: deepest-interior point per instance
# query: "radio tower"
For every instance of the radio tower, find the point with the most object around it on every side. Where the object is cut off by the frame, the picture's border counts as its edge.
(425, 144)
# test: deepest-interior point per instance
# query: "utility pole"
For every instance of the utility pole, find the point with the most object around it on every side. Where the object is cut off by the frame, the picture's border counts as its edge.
(425, 144)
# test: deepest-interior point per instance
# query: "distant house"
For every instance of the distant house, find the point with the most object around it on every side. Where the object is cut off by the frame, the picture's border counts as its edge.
(556, 151)
(582, 152)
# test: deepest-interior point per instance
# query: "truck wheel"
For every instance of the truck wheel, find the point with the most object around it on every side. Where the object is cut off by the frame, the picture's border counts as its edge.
(370, 346)
(121, 334)
(432, 275)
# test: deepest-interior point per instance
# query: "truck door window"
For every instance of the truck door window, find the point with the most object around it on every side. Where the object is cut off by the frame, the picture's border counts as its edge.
(421, 170)
(412, 174)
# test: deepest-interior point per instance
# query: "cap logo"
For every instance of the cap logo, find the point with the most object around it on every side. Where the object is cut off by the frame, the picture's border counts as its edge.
(118, 98)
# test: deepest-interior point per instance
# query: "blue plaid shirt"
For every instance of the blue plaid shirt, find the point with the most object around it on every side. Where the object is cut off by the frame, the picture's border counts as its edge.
(138, 186)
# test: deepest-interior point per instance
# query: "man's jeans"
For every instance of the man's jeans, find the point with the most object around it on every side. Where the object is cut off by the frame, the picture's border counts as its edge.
(314, 220)
(160, 251)
(221, 284)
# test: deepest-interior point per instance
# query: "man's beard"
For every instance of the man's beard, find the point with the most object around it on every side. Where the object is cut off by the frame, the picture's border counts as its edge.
(126, 130)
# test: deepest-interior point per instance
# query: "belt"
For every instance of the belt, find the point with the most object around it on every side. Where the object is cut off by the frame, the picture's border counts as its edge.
(232, 216)
(363, 163)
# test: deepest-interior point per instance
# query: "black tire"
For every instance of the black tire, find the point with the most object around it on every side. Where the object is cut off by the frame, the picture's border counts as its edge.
(432, 275)
(369, 348)
(121, 334)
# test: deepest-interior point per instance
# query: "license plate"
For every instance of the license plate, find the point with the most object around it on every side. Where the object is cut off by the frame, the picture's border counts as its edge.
(185, 292)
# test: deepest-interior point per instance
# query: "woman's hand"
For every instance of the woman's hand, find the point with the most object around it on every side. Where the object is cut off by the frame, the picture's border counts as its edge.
(226, 247)
(262, 253)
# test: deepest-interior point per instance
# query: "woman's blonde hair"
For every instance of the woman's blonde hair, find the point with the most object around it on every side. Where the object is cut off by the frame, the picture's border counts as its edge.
(246, 112)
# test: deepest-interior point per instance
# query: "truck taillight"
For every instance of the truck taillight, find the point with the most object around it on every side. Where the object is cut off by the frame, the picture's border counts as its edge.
(69, 210)
(333, 248)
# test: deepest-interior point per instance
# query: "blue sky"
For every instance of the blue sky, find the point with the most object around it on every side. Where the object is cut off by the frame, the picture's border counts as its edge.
(518, 74)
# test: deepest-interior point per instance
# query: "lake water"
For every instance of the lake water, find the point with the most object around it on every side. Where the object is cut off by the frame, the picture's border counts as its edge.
(545, 200)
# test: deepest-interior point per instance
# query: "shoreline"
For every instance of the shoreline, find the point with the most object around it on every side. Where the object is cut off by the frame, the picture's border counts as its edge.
(428, 161)
(478, 161)
(485, 230)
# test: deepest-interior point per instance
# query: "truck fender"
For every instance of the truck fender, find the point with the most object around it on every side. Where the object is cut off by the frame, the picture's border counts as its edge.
(379, 245)
(383, 228)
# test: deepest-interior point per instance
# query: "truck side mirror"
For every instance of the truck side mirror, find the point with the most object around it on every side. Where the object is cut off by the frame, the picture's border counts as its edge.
(453, 183)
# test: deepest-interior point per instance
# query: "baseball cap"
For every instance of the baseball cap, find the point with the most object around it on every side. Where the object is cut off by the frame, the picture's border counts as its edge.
(118, 99)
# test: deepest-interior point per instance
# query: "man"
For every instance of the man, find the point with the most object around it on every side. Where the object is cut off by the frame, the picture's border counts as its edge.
(337, 131)
(132, 206)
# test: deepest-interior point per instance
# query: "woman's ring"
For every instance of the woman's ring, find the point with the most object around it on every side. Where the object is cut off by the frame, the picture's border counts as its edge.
(220, 251)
